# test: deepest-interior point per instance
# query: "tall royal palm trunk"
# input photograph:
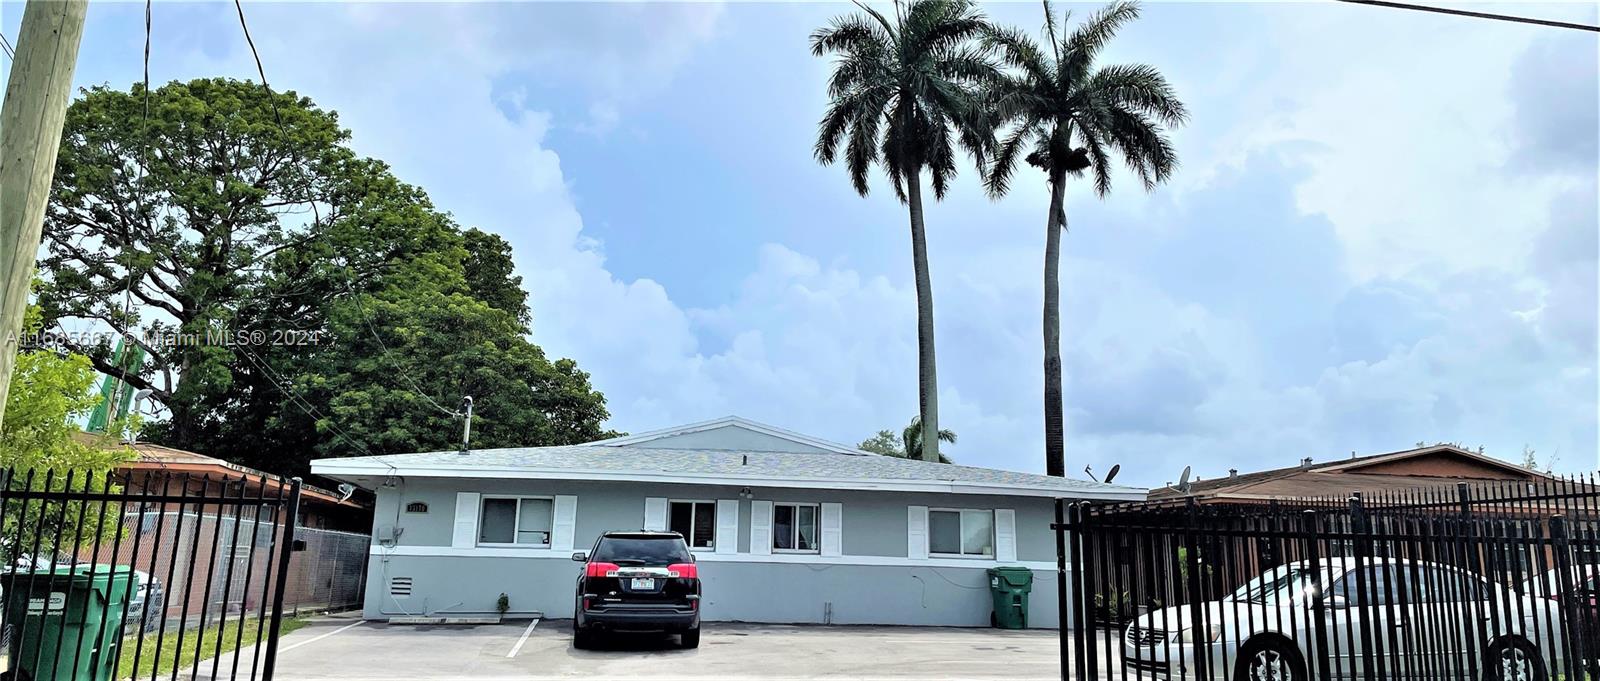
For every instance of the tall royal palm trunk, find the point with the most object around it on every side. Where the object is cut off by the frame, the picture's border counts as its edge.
(927, 373)
(1054, 418)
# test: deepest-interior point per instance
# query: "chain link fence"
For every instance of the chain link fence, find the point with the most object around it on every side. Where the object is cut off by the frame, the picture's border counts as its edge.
(330, 574)
(196, 564)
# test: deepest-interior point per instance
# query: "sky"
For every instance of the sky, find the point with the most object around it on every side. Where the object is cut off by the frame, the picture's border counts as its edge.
(1382, 232)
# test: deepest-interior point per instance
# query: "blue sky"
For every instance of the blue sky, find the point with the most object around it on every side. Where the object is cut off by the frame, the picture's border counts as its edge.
(1383, 230)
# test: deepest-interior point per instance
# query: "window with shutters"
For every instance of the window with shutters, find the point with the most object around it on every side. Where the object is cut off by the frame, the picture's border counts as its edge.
(515, 521)
(961, 532)
(695, 520)
(794, 528)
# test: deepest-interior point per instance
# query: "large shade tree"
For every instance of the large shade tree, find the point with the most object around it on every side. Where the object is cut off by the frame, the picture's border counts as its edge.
(316, 305)
(905, 92)
(1067, 115)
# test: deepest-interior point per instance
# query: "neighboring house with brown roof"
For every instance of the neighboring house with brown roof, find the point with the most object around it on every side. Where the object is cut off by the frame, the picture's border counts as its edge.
(1441, 466)
(176, 542)
(158, 468)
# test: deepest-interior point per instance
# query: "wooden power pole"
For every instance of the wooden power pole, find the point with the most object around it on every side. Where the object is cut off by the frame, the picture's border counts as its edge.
(30, 135)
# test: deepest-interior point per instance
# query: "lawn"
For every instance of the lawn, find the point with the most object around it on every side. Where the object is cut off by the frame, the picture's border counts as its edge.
(201, 641)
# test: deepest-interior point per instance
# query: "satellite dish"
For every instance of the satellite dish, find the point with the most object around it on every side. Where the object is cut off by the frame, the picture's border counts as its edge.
(1089, 472)
(1183, 480)
(1115, 469)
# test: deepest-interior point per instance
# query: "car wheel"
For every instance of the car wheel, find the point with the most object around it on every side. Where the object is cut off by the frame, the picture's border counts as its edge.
(582, 639)
(1513, 660)
(1269, 660)
(691, 638)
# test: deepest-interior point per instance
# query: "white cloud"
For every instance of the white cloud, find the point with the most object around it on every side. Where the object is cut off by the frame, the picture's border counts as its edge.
(1355, 270)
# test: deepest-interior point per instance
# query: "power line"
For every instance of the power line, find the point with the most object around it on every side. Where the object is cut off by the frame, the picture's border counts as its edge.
(385, 350)
(317, 217)
(11, 53)
(1476, 15)
(144, 149)
(286, 386)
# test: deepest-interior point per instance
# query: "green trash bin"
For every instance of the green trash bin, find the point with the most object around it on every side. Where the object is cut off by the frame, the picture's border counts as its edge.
(55, 617)
(1010, 587)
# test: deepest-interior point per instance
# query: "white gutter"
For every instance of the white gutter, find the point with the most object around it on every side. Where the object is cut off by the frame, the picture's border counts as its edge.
(349, 468)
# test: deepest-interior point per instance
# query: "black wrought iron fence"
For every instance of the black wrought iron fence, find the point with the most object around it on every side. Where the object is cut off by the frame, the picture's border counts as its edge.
(106, 576)
(1492, 581)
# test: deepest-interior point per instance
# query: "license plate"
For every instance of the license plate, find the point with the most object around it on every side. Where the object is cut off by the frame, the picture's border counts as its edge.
(644, 583)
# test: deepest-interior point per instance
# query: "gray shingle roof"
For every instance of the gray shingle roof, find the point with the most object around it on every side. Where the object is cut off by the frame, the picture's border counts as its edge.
(756, 465)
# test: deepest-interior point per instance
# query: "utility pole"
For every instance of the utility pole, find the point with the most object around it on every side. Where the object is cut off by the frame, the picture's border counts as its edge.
(30, 135)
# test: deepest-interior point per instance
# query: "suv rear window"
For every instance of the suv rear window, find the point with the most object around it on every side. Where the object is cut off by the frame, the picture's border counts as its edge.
(651, 551)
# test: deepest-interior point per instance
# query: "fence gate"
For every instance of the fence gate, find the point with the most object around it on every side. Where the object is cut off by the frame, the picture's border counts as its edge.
(142, 574)
(1493, 581)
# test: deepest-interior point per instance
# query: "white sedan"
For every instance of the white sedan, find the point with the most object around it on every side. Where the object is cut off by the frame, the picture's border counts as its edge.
(1419, 620)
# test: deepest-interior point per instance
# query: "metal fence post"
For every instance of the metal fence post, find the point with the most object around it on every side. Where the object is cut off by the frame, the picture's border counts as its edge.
(1362, 541)
(1061, 584)
(1197, 608)
(1319, 608)
(1564, 581)
(291, 517)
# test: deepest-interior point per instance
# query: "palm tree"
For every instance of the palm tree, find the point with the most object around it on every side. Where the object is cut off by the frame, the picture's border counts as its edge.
(900, 91)
(1050, 101)
(911, 440)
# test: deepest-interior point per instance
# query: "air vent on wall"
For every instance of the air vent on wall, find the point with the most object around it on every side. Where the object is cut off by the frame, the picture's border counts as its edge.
(417, 507)
(399, 587)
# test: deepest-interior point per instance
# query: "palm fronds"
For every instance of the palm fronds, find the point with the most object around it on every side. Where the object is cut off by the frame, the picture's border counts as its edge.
(1074, 116)
(906, 92)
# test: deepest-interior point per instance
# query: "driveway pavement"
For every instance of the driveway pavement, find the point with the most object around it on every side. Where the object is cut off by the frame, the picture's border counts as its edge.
(349, 650)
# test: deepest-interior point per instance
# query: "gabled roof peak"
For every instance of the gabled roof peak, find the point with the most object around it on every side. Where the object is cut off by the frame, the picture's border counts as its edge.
(654, 438)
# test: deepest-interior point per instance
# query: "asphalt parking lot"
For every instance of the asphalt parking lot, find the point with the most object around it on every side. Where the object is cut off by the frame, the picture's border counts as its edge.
(350, 650)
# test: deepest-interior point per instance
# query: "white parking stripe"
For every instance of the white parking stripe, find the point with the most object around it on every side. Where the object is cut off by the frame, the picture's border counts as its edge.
(525, 633)
(297, 644)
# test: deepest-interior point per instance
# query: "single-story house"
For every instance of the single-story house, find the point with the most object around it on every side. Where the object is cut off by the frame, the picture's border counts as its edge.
(788, 528)
(1441, 467)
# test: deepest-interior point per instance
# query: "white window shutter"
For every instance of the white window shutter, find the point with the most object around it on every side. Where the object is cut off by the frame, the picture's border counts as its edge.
(564, 525)
(761, 527)
(832, 529)
(466, 528)
(655, 513)
(727, 539)
(1005, 535)
(917, 532)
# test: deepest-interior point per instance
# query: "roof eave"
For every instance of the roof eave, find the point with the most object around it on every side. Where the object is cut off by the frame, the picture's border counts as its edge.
(348, 469)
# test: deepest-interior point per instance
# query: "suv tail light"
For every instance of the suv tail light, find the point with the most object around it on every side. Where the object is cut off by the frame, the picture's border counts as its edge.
(601, 570)
(684, 570)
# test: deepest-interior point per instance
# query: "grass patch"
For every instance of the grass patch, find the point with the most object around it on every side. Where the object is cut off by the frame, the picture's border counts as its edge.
(201, 643)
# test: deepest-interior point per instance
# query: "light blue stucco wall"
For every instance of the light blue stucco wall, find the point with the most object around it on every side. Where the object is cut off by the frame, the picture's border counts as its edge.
(873, 582)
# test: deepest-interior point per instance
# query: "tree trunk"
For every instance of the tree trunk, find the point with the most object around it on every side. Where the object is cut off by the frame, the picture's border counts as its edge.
(1054, 418)
(927, 373)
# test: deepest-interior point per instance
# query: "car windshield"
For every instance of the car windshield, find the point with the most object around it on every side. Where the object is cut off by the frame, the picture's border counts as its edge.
(1275, 587)
(651, 551)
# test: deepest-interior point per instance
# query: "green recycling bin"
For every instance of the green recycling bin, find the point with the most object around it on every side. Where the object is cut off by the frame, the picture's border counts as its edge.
(1010, 587)
(55, 615)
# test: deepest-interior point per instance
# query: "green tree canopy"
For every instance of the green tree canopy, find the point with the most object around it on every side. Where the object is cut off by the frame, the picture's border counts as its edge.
(346, 314)
(885, 442)
(50, 393)
(906, 445)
